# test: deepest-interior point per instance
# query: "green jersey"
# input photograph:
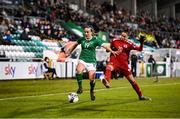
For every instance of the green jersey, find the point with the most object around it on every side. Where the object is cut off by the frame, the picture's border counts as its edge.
(88, 52)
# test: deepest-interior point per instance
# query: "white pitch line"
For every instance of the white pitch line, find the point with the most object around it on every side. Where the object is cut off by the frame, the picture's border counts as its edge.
(53, 94)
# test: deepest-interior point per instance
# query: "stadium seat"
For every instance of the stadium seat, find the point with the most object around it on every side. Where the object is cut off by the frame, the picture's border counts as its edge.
(20, 48)
(11, 48)
(1, 47)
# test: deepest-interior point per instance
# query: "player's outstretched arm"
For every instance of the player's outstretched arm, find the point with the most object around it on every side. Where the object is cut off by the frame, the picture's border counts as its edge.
(107, 47)
(70, 49)
(141, 40)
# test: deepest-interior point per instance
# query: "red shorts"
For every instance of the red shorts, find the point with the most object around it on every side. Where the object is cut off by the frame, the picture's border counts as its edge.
(123, 69)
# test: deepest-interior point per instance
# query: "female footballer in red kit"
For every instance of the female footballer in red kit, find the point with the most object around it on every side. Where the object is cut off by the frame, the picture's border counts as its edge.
(119, 63)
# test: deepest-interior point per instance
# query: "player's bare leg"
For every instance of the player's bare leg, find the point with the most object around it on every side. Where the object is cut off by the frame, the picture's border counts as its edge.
(79, 76)
(92, 84)
(136, 87)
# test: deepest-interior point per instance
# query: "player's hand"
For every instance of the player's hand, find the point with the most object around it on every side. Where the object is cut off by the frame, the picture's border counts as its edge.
(115, 53)
(142, 39)
(67, 55)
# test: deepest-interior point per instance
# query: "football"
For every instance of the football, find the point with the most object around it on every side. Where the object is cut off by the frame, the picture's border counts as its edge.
(73, 97)
(101, 77)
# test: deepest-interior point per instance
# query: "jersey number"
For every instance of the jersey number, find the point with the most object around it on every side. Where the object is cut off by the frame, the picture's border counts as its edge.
(86, 45)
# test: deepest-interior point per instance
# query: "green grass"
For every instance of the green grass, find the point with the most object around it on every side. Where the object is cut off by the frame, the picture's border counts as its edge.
(48, 99)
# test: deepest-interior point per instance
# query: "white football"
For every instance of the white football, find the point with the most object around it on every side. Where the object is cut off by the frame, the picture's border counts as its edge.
(102, 77)
(73, 97)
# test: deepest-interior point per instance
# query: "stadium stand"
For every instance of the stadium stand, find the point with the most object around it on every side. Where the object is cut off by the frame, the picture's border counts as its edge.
(107, 18)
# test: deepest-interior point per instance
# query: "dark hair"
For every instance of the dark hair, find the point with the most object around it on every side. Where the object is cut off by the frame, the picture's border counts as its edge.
(62, 49)
(46, 58)
(91, 28)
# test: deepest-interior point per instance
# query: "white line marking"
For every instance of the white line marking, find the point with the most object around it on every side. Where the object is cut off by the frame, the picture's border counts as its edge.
(53, 94)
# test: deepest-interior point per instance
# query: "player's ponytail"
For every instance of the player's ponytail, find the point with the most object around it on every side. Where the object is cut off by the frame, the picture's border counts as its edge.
(92, 30)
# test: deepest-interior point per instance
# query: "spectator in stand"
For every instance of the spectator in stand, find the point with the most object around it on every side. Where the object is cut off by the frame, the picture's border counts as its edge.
(25, 35)
(7, 38)
(178, 44)
(103, 16)
(3, 25)
(27, 24)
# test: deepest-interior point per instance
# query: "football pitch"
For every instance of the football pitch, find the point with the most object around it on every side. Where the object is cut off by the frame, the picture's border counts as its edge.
(48, 99)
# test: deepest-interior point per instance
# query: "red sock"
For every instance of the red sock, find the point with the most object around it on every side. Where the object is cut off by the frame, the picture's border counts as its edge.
(108, 74)
(136, 88)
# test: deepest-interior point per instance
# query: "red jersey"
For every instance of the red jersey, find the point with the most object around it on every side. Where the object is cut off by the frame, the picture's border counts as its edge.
(124, 47)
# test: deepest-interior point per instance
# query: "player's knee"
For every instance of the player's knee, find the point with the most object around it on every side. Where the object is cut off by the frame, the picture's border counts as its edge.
(78, 71)
(92, 76)
(109, 67)
(131, 79)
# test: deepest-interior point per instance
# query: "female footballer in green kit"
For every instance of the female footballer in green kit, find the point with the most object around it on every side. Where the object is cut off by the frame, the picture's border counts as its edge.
(87, 59)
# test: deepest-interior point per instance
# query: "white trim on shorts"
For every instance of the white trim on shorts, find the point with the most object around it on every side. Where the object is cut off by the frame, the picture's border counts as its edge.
(88, 66)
